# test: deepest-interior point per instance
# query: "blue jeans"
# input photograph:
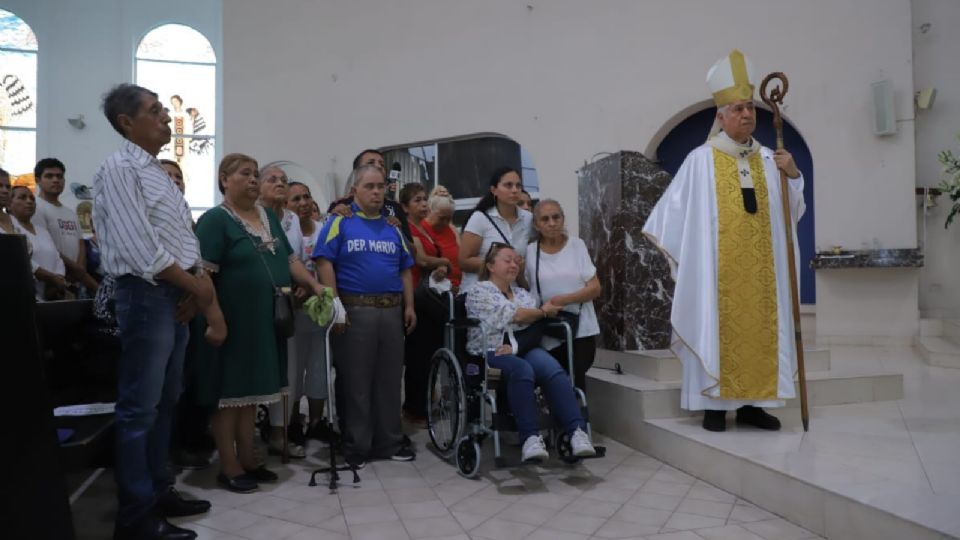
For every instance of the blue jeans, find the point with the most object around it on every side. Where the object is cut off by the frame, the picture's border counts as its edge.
(150, 380)
(537, 367)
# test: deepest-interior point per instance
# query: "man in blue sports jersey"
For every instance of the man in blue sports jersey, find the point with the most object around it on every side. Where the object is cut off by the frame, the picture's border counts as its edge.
(367, 263)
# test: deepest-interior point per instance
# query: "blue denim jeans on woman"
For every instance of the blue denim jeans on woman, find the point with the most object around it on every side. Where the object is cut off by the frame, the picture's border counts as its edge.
(537, 368)
(149, 384)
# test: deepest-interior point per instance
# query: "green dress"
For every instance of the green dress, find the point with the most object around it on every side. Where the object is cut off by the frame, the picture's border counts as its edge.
(251, 365)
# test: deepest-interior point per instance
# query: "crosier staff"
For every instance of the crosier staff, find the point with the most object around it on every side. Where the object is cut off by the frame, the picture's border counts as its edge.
(774, 99)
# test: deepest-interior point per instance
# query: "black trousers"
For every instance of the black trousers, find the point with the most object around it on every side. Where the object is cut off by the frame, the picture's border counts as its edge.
(584, 353)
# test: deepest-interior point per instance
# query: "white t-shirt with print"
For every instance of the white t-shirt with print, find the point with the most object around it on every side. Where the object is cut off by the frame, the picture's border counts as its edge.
(518, 234)
(44, 253)
(291, 228)
(62, 224)
(308, 244)
(564, 272)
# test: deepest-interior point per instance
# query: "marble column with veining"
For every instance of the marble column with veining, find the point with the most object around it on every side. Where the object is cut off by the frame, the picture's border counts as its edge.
(617, 193)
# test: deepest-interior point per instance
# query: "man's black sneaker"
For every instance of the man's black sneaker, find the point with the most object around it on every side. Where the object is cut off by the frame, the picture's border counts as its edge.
(356, 462)
(404, 454)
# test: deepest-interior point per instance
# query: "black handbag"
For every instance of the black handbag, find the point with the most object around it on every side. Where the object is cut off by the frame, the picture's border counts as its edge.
(571, 318)
(283, 320)
(528, 338)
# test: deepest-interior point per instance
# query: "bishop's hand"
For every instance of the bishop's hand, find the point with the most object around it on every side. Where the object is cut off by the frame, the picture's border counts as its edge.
(785, 163)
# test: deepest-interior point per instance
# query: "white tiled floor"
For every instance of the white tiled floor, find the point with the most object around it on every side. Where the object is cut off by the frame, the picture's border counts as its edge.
(900, 456)
(625, 495)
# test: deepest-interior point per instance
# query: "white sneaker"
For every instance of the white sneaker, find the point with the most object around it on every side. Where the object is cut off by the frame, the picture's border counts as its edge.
(582, 447)
(295, 451)
(534, 449)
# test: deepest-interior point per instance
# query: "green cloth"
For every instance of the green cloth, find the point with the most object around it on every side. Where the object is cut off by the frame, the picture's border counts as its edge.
(320, 309)
(251, 365)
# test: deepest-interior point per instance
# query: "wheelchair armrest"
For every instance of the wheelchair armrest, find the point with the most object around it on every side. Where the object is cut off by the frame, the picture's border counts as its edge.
(464, 322)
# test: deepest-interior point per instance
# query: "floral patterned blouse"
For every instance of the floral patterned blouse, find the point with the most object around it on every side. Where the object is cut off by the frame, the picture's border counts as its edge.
(495, 312)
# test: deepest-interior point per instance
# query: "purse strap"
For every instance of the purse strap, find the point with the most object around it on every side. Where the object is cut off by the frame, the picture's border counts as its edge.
(494, 223)
(256, 244)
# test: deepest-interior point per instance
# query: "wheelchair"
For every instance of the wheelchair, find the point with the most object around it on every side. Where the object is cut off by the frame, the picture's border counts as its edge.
(466, 402)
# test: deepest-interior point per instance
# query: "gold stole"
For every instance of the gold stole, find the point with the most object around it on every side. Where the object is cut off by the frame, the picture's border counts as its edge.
(747, 286)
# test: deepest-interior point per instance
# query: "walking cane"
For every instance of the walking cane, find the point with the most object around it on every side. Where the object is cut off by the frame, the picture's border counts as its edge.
(773, 100)
(285, 454)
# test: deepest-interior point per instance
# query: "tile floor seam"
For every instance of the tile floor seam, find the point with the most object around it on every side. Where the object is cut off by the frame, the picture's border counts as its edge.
(915, 449)
(675, 510)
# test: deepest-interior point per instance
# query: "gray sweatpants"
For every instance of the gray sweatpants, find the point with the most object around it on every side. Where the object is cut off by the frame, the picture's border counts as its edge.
(369, 362)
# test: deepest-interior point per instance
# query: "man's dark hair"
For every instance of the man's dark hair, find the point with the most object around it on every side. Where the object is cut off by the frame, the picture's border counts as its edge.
(123, 99)
(177, 97)
(4, 173)
(356, 160)
(47, 163)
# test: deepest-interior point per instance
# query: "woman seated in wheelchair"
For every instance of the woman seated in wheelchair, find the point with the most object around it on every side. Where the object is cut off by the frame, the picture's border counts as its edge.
(505, 310)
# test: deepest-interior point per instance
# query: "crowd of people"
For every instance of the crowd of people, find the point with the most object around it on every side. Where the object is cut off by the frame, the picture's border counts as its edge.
(194, 307)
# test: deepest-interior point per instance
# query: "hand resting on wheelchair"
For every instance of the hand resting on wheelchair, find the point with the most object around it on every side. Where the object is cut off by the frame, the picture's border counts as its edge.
(506, 313)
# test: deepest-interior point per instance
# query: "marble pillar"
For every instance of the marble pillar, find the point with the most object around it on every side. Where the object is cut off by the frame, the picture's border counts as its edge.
(617, 193)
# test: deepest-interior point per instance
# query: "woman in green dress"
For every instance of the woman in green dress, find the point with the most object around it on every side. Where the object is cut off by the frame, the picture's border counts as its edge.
(244, 247)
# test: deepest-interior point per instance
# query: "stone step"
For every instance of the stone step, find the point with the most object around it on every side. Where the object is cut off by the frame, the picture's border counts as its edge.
(951, 330)
(633, 397)
(663, 366)
(802, 493)
(938, 351)
(931, 327)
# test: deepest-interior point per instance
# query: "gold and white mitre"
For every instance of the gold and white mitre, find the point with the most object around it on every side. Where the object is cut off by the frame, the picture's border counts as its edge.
(730, 79)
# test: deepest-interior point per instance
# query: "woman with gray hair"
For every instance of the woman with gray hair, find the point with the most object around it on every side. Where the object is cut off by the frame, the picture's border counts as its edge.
(561, 274)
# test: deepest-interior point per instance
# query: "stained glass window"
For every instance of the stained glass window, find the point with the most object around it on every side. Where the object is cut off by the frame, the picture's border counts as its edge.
(18, 109)
(179, 64)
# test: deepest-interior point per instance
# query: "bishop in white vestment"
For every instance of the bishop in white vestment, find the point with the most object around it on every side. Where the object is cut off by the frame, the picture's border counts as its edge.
(721, 225)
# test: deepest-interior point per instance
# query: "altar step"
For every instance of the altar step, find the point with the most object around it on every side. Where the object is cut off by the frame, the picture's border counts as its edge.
(939, 342)
(663, 365)
(644, 414)
(815, 496)
(628, 396)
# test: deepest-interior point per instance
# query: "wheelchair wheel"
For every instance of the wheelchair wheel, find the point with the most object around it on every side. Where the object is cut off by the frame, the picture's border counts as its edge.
(446, 402)
(565, 449)
(468, 457)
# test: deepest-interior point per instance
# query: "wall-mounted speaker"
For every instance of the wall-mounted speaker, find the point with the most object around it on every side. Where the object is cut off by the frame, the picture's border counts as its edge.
(884, 116)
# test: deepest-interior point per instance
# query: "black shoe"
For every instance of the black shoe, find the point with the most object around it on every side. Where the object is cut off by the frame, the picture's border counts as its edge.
(262, 474)
(715, 420)
(296, 434)
(238, 484)
(322, 432)
(758, 418)
(171, 504)
(356, 462)
(190, 461)
(404, 454)
(152, 527)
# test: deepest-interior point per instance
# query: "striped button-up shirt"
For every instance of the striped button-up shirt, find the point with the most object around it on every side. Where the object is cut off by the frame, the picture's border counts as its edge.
(143, 222)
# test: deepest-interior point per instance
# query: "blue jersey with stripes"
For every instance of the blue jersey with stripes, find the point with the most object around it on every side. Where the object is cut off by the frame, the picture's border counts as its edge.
(368, 254)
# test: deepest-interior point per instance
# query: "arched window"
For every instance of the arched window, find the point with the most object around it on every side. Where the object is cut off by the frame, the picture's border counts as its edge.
(18, 110)
(179, 64)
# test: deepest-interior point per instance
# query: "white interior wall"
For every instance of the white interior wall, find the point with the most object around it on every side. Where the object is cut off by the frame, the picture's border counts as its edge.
(569, 79)
(935, 65)
(566, 78)
(84, 48)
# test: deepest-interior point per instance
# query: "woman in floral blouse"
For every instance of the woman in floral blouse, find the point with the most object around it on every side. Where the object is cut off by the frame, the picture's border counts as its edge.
(504, 310)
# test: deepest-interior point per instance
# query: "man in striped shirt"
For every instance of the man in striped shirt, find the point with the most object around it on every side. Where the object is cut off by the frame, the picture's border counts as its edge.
(146, 240)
